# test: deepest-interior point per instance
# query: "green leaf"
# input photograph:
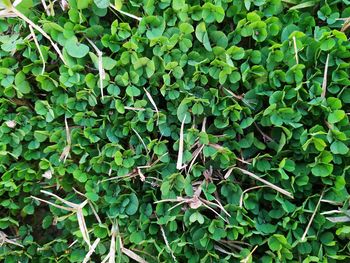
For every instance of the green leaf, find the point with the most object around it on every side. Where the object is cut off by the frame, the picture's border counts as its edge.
(322, 169)
(137, 237)
(327, 44)
(101, 3)
(133, 205)
(202, 35)
(178, 5)
(75, 49)
(196, 216)
(339, 147)
(336, 116)
(21, 83)
(80, 176)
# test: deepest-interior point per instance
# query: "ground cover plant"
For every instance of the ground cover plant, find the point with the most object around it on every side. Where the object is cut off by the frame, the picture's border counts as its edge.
(174, 131)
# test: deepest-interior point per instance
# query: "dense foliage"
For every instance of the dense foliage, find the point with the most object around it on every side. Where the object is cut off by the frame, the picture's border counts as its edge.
(163, 131)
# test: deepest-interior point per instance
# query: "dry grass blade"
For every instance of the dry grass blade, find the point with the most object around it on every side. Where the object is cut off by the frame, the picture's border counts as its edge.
(66, 149)
(218, 205)
(82, 226)
(68, 203)
(167, 243)
(140, 138)
(133, 108)
(248, 258)
(38, 47)
(179, 165)
(324, 82)
(338, 219)
(5, 240)
(111, 253)
(45, 7)
(68, 138)
(125, 13)
(53, 204)
(101, 72)
(228, 173)
(11, 10)
(195, 155)
(346, 24)
(214, 211)
(277, 188)
(149, 96)
(331, 202)
(295, 50)
(91, 250)
(77, 208)
(247, 190)
(312, 218)
(133, 255)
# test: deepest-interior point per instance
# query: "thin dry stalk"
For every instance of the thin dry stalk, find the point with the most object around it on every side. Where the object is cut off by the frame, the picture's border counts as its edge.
(228, 173)
(66, 149)
(218, 205)
(140, 138)
(77, 208)
(203, 124)
(13, 11)
(248, 257)
(90, 204)
(101, 72)
(91, 250)
(5, 240)
(218, 248)
(133, 108)
(338, 219)
(133, 255)
(50, 203)
(195, 155)
(82, 225)
(125, 13)
(324, 82)
(179, 164)
(312, 218)
(247, 190)
(111, 253)
(45, 7)
(149, 96)
(277, 188)
(346, 24)
(38, 47)
(331, 202)
(295, 50)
